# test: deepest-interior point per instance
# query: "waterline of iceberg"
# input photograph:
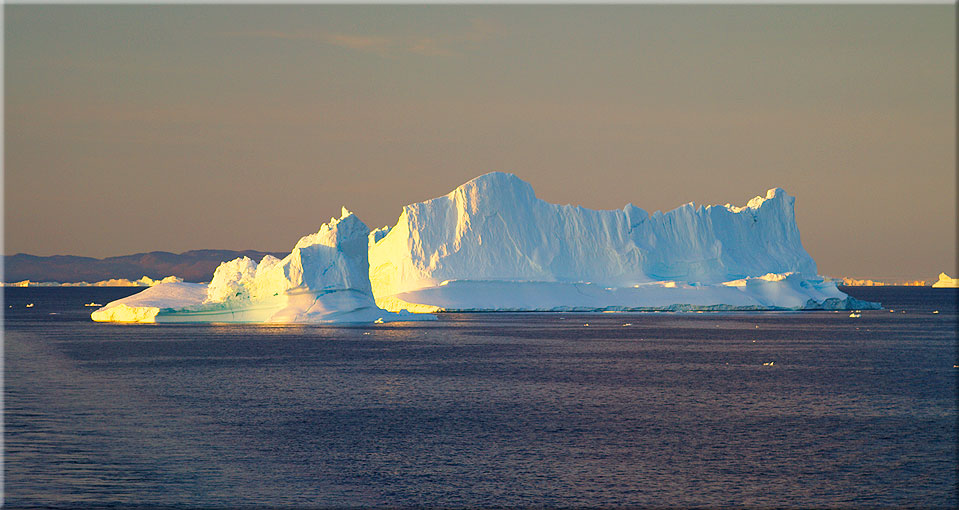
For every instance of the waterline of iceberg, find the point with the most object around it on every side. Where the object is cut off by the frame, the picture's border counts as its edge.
(472, 296)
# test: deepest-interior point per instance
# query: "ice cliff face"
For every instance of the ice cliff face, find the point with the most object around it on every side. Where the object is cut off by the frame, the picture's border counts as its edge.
(493, 228)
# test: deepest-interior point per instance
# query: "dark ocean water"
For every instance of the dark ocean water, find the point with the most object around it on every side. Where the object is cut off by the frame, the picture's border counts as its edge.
(655, 409)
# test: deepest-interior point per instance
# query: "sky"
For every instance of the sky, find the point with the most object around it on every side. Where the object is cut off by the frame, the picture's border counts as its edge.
(176, 127)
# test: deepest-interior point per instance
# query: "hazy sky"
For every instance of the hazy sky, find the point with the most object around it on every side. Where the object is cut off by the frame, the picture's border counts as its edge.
(139, 128)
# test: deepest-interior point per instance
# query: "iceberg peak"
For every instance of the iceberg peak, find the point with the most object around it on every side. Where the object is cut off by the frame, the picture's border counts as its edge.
(757, 201)
(492, 181)
(338, 231)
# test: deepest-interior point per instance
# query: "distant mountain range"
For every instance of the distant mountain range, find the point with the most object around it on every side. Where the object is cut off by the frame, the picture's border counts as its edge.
(192, 266)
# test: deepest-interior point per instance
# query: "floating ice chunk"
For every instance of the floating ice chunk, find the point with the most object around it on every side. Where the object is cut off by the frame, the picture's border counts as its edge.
(144, 306)
(946, 282)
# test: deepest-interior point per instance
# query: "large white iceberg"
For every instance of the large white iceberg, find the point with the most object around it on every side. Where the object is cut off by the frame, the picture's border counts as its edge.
(492, 245)
(325, 279)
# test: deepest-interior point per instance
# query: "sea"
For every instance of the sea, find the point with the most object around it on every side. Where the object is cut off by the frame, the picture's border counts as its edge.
(720, 409)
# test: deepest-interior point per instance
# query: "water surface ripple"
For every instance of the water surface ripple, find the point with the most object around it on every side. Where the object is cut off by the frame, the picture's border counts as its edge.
(655, 409)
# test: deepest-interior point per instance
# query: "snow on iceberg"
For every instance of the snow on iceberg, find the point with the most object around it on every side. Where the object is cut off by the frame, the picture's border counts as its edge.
(325, 279)
(491, 244)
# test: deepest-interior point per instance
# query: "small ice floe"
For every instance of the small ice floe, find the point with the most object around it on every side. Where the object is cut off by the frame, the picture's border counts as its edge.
(855, 315)
(93, 304)
(769, 363)
(29, 305)
(378, 321)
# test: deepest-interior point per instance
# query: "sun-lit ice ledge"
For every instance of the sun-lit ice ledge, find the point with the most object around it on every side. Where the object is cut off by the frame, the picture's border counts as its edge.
(491, 245)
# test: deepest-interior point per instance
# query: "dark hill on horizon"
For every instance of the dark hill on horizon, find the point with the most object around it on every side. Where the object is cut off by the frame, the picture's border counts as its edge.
(192, 266)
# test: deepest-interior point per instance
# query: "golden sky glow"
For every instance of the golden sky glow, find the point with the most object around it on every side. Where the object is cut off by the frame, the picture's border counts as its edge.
(138, 128)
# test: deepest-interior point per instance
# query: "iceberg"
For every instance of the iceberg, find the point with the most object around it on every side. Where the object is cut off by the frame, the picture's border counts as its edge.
(945, 282)
(491, 244)
(324, 279)
(145, 281)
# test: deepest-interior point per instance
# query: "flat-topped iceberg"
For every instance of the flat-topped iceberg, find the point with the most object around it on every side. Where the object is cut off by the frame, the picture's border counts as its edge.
(146, 305)
(491, 244)
(325, 279)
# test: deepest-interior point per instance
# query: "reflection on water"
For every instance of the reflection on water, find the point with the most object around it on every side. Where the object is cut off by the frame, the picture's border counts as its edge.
(484, 409)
